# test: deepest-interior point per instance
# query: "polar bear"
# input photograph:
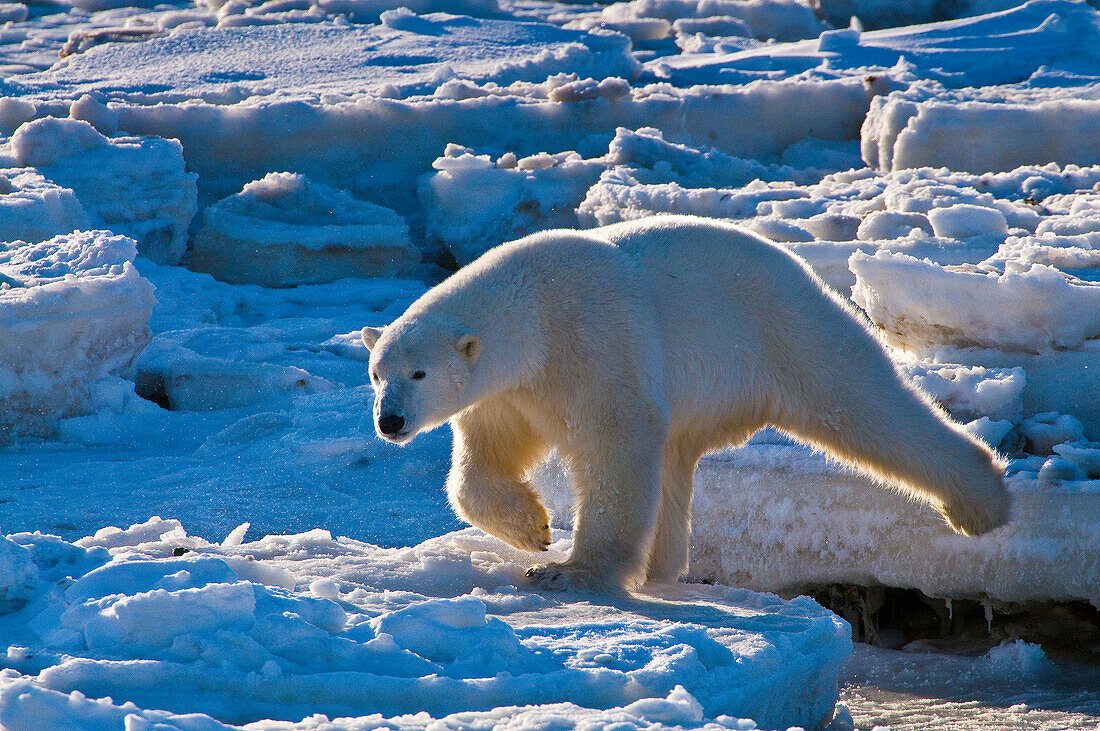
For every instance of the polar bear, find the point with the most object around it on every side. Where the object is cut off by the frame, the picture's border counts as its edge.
(634, 349)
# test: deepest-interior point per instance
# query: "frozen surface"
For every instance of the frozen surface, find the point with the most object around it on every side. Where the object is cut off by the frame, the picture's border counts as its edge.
(1014, 43)
(1032, 308)
(924, 125)
(73, 311)
(289, 626)
(541, 191)
(948, 172)
(35, 209)
(270, 423)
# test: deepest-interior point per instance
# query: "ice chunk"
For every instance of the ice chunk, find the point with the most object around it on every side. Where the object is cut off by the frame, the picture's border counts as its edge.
(284, 230)
(510, 202)
(135, 186)
(517, 196)
(892, 225)
(73, 309)
(1084, 454)
(1004, 130)
(970, 392)
(921, 305)
(34, 209)
(964, 221)
(1046, 430)
(783, 20)
(219, 368)
(991, 432)
(1014, 660)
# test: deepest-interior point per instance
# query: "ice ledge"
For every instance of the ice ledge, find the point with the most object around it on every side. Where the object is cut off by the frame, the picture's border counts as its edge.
(781, 518)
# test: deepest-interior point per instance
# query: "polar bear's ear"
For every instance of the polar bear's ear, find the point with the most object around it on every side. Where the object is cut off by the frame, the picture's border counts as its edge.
(371, 335)
(469, 345)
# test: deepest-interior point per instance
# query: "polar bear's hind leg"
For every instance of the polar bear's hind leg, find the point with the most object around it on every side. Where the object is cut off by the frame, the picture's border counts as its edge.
(872, 419)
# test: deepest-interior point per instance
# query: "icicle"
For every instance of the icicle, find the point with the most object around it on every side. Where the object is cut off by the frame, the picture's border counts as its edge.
(988, 607)
(950, 608)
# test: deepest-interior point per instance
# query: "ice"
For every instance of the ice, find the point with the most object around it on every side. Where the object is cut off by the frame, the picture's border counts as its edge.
(135, 186)
(953, 164)
(1033, 310)
(879, 225)
(431, 630)
(73, 310)
(284, 230)
(1015, 659)
(782, 20)
(923, 127)
(35, 209)
(1046, 430)
(964, 221)
(971, 392)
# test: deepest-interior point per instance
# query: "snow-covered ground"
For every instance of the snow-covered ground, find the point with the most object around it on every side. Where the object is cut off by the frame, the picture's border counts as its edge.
(201, 203)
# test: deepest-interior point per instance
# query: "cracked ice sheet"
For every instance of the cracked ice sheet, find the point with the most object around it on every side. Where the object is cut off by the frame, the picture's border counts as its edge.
(292, 626)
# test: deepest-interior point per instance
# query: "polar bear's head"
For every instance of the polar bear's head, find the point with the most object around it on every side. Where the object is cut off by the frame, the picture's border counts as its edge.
(422, 372)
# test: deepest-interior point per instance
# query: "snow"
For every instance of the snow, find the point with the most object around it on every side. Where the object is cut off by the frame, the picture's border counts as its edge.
(944, 175)
(1015, 43)
(273, 628)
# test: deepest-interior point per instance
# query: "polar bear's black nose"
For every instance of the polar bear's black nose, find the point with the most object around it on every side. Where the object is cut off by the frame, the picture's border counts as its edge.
(391, 424)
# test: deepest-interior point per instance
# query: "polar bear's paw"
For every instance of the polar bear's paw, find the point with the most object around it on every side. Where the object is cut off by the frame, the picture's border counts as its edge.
(526, 531)
(976, 518)
(564, 577)
(521, 523)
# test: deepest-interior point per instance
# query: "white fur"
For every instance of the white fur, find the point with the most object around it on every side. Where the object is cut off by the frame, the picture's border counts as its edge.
(634, 349)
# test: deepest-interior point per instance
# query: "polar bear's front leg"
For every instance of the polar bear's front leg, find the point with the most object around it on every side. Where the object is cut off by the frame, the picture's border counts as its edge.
(493, 448)
(617, 484)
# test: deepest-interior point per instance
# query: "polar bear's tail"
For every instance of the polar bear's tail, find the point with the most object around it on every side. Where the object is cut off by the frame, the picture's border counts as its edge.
(856, 406)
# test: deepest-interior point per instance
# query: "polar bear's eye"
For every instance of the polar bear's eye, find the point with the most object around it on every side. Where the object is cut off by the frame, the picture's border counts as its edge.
(374, 377)
(419, 375)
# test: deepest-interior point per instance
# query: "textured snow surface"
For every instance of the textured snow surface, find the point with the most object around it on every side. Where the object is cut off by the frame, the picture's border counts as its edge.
(405, 54)
(289, 626)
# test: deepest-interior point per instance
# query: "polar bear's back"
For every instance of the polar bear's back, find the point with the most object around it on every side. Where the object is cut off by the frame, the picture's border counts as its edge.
(731, 306)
